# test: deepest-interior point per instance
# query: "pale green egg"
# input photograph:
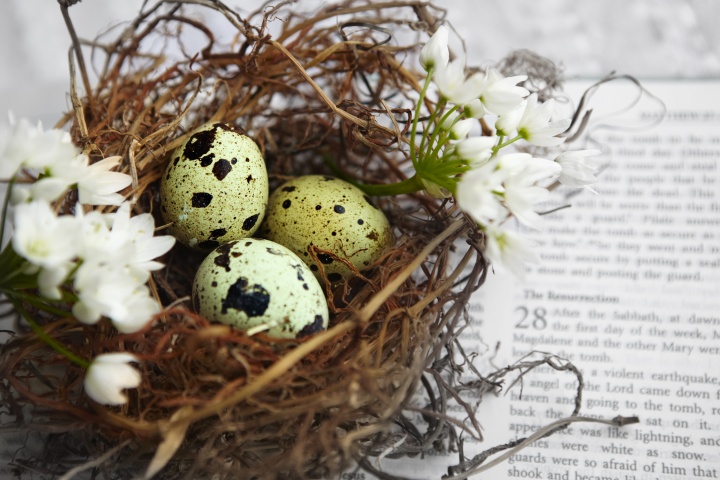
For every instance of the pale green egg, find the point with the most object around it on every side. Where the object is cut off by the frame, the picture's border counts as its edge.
(330, 219)
(215, 188)
(257, 285)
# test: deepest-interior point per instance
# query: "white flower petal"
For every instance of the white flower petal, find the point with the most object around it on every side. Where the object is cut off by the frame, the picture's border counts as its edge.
(508, 250)
(43, 238)
(50, 279)
(476, 149)
(536, 127)
(577, 169)
(108, 375)
(435, 53)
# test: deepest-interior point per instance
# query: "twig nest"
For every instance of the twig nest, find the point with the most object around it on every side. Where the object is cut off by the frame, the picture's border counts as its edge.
(258, 285)
(329, 223)
(215, 188)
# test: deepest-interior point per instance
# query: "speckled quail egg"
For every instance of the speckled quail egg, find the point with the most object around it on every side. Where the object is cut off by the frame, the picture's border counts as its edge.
(331, 218)
(258, 285)
(215, 188)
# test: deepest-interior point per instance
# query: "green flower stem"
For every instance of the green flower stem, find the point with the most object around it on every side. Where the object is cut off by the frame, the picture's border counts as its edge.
(437, 131)
(35, 301)
(435, 153)
(51, 342)
(5, 205)
(11, 265)
(497, 147)
(432, 122)
(411, 185)
(413, 133)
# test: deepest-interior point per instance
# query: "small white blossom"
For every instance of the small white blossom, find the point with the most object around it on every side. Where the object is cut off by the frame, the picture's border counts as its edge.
(453, 85)
(108, 375)
(474, 108)
(532, 169)
(50, 279)
(119, 239)
(43, 238)
(435, 53)
(96, 184)
(536, 126)
(25, 145)
(459, 129)
(521, 190)
(111, 291)
(476, 150)
(498, 95)
(508, 250)
(141, 308)
(140, 230)
(477, 193)
(506, 125)
(577, 169)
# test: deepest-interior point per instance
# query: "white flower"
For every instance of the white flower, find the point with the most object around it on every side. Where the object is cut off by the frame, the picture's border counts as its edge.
(96, 184)
(25, 145)
(477, 193)
(112, 291)
(99, 245)
(474, 108)
(102, 290)
(476, 150)
(521, 192)
(508, 250)
(138, 233)
(536, 126)
(521, 198)
(498, 95)
(506, 124)
(43, 238)
(119, 239)
(532, 169)
(453, 85)
(435, 53)
(108, 375)
(577, 169)
(458, 128)
(50, 279)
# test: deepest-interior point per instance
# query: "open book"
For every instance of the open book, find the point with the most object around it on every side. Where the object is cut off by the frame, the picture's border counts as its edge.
(628, 290)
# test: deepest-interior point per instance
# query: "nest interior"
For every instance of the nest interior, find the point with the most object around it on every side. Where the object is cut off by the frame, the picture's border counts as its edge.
(328, 92)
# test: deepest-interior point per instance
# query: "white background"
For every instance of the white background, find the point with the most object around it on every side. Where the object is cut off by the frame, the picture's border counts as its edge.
(646, 38)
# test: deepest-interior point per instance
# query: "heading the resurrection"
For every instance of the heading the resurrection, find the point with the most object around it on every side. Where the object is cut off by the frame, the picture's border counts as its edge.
(574, 297)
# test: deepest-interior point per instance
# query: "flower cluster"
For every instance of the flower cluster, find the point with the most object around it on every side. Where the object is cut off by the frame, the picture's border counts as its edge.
(490, 183)
(97, 262)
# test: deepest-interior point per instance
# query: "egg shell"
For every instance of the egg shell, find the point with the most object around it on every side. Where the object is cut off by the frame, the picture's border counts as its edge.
(215, 188)
(332, 215)
(254, 282)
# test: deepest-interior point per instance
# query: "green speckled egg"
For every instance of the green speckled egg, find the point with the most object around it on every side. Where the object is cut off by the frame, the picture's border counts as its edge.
(215, 188)
(331, 215)
(258, 285)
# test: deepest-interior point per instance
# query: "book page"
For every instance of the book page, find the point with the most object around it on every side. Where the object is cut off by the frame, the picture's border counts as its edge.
(628, 290)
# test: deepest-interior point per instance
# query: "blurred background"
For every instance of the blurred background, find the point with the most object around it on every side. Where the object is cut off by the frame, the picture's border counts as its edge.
(646, 38)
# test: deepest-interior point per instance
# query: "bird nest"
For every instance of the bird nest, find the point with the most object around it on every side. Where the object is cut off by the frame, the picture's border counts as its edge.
(332, 93)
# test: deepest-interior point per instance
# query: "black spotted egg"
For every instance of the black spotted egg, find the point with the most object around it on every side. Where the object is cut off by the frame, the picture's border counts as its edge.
(327, 222)
(257, 285)
(215, 188)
